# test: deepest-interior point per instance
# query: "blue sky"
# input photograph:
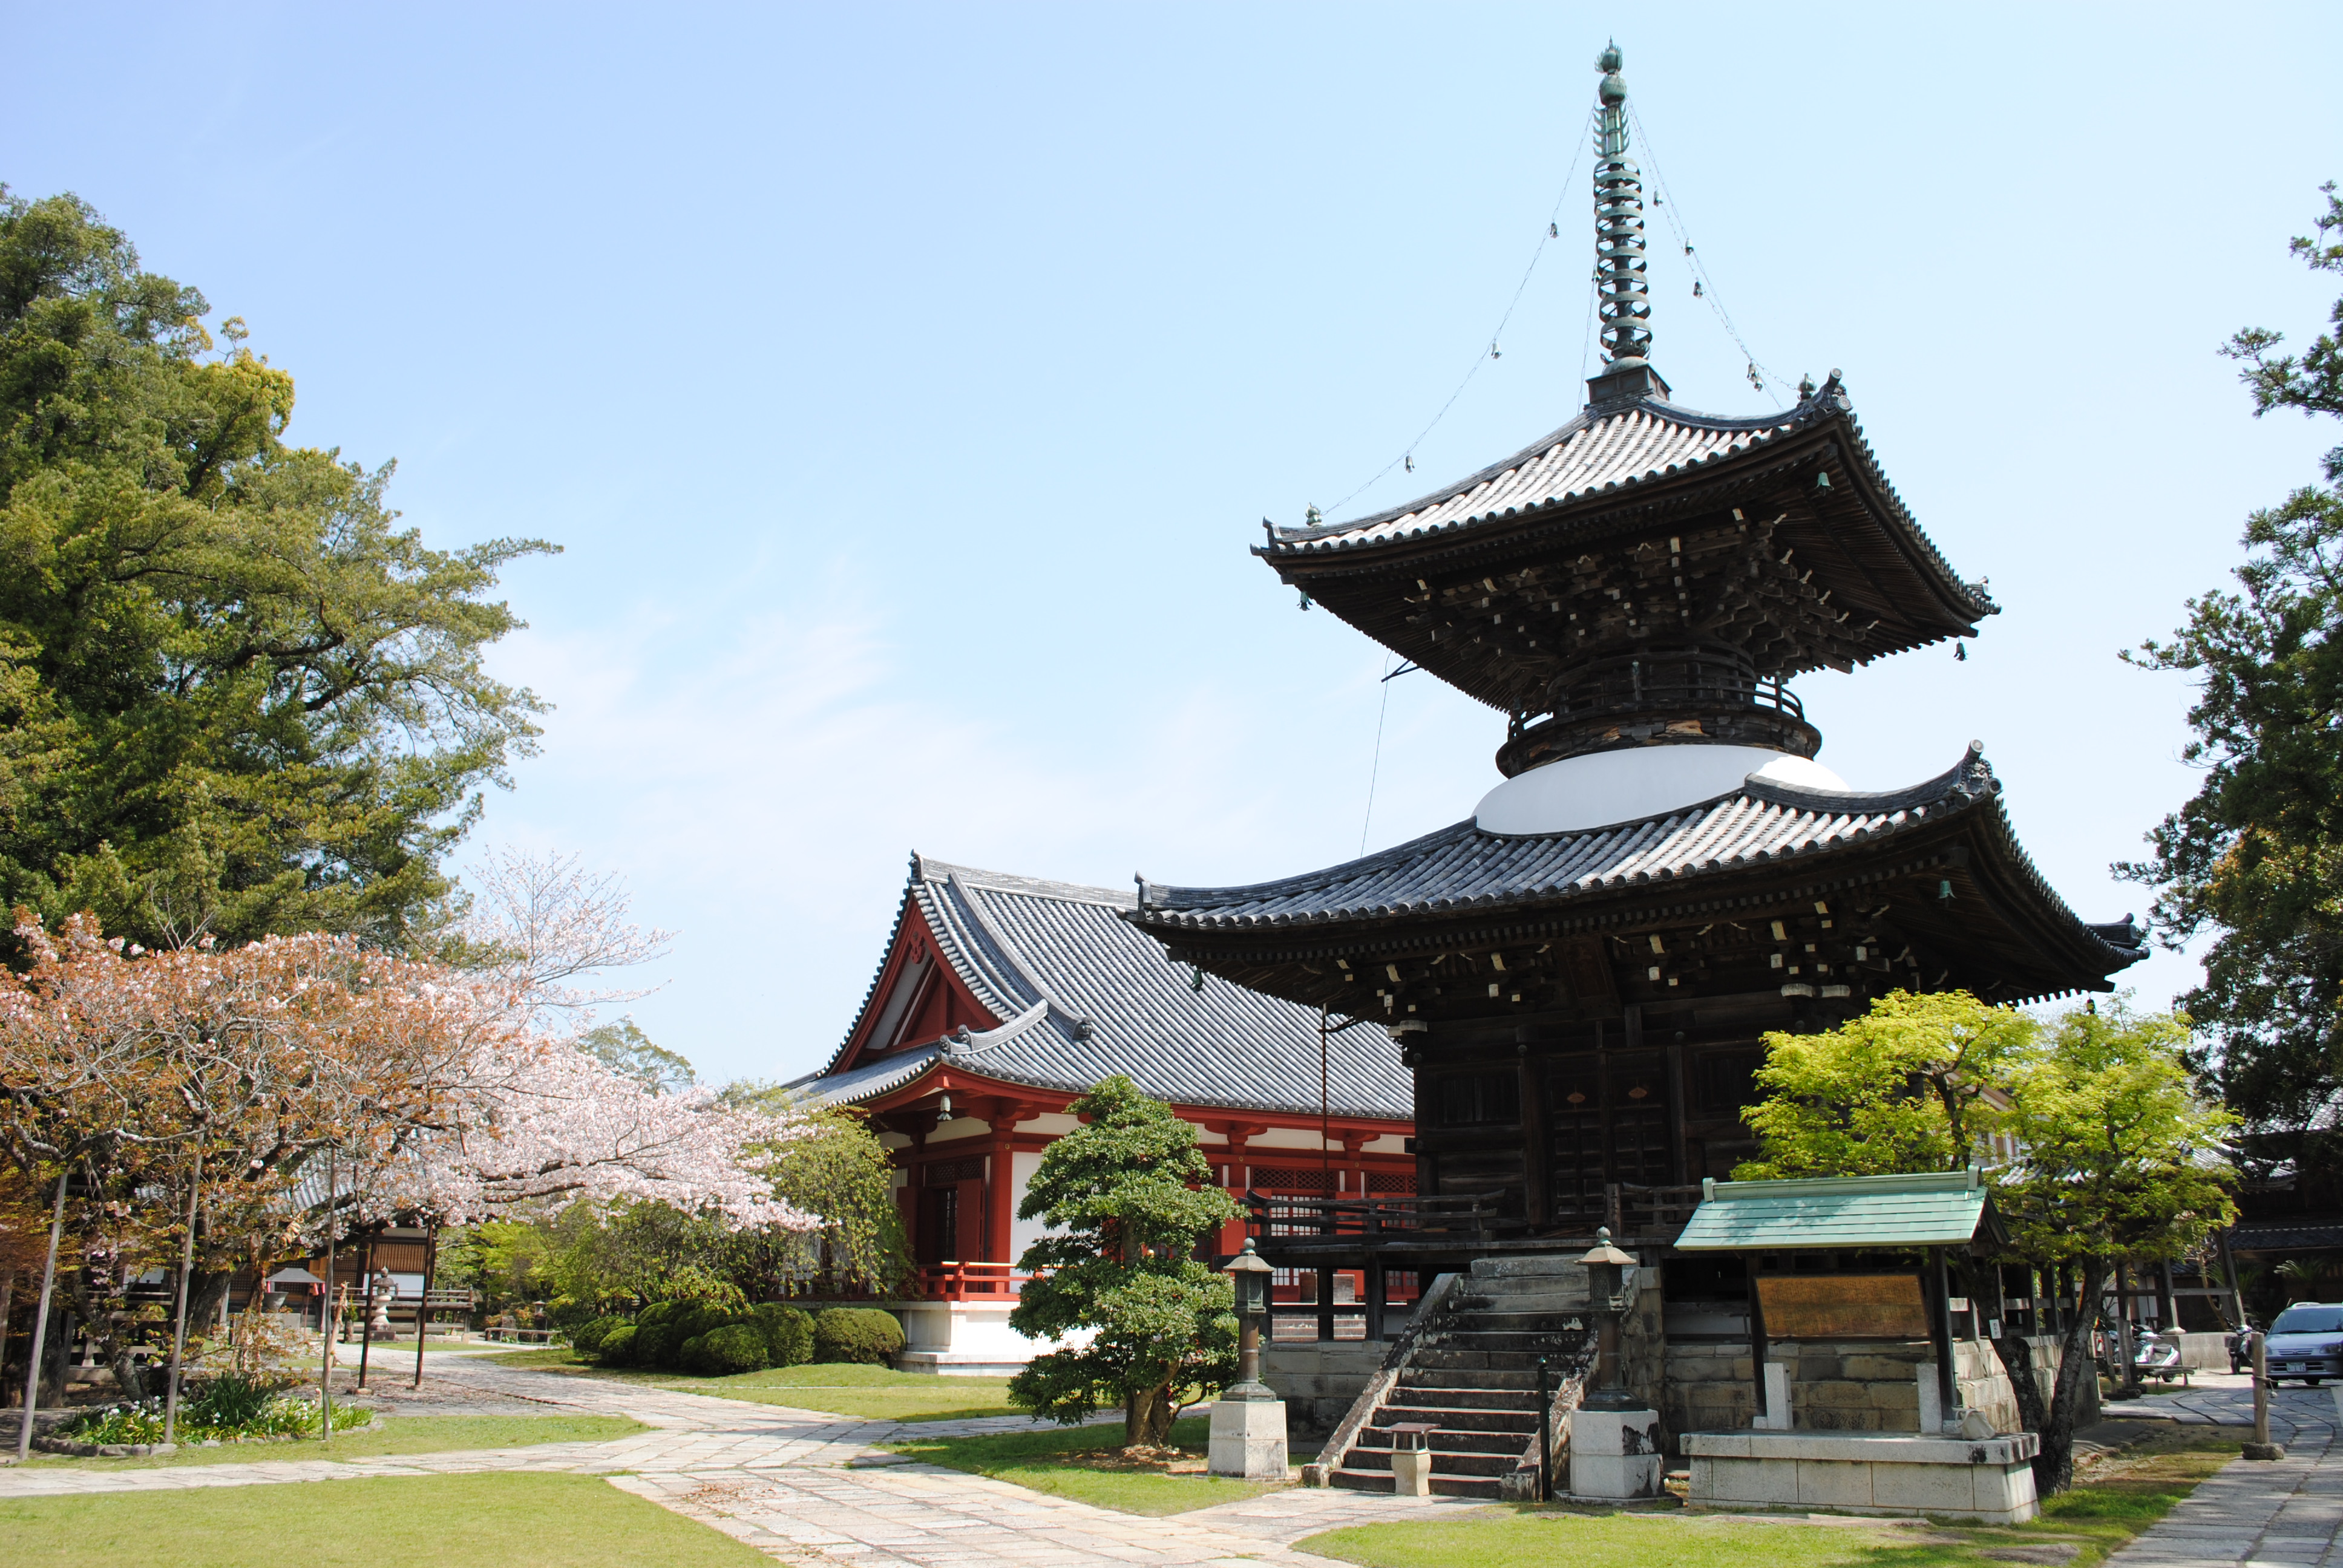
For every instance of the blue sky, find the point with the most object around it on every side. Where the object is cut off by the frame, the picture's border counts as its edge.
(906, 385)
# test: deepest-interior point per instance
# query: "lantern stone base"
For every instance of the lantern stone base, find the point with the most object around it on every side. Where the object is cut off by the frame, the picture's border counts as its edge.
(1989, 1479)
(1614, 1453)
(1248, 1439)
(1412, 1472)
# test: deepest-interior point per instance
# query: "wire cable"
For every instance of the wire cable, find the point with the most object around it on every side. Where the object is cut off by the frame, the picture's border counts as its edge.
(1375, 766)
(1553, 233)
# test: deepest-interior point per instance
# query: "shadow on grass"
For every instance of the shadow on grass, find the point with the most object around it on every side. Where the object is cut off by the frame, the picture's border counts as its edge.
(836, 1387)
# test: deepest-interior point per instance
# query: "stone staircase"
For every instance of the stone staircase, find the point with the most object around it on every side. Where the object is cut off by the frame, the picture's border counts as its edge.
(1468, 1366)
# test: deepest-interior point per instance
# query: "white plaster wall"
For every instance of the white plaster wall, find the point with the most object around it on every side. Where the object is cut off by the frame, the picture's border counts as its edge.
(1023, 1233)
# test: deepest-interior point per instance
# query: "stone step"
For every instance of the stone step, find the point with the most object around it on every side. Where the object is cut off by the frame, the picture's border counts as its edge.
(1533, 1266)
(1535, 1342)
(1448, 1440)
(1444, 1462)
(1443, 1396)
(1516, 1421)
(1416, 1375)
(1523, 1361)
(1510, 1322)
(1442, 1485)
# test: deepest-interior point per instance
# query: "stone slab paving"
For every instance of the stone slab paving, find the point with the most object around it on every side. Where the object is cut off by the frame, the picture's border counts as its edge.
(2285, 1515)
(2225, 1399)
(805, 1486)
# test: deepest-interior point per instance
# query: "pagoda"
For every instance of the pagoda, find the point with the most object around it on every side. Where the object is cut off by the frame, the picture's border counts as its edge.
(1580, 974)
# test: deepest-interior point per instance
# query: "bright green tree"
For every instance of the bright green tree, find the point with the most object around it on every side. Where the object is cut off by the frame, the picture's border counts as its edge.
(2119, 1157)
(235, 695)
(1127, 1197)
(2256, 857)
(1908, 1086)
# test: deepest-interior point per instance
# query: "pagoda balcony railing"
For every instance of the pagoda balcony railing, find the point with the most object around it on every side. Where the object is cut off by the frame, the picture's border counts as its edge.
(1658, 703)
(1278, 1214)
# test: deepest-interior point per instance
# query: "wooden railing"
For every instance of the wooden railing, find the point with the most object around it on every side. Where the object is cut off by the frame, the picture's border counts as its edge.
(968, 1282)
(1283, 1215)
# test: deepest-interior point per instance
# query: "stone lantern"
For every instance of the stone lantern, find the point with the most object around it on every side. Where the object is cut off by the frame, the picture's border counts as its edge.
(1248, 1421)
(1614, 1442)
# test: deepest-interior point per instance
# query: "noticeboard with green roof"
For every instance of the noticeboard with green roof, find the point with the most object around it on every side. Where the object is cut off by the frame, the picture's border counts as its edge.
(1849, 1213)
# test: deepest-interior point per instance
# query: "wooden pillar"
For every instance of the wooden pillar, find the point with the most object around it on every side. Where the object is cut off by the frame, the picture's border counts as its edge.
(1677, 1162)
(1001, 1192)
(1757, 1349)
(1427, 1166)
(1940, 1329)
(1537, 1143)
(2167, 1306)
(1326, 1306)
(1372, 1280)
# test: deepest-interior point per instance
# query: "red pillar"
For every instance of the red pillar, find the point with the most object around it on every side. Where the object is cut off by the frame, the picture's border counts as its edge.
(1001, 1194)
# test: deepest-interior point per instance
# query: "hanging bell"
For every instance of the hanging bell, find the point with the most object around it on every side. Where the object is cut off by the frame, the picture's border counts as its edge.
(1198, 983)
(1960, 653)
(1554, 231)
(1410, 461)
(1754, 379)
(1696, 289)
(1687, 248)
(1495, 352)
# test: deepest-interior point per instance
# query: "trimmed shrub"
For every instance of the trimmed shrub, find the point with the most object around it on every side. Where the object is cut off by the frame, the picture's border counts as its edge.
(734, 1348)
(789, 1333)
(569, 1312)
(691, 1325)
(658, 1312)
(587, 1337)
(862, 1334)
(655, 1345)
(618, 1346)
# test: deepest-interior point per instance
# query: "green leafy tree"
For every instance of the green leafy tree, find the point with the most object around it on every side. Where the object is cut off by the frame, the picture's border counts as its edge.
(2118, 1157)
(1127, 1197)
(1908, 1086)
(235, 695)
(2256, 856)
(626, 1051)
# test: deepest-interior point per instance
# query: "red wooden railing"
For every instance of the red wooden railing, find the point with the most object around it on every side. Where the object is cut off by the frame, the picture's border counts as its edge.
(970, 1281)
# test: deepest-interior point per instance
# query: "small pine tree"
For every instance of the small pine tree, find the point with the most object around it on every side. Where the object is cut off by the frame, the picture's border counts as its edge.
(1127, 1197)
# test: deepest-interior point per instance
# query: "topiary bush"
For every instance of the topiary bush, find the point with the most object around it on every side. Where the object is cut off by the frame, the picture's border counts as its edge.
(656, 1343)
(658, 1312)
(618, 1346)
(862, 1334)
(789, 1333)
(585, 1339)
(734, 1348)
(691, 1325)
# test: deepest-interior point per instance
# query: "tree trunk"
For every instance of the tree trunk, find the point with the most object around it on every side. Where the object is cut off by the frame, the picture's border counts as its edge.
(106, 1338)
(1166, 1410)
(2054, 1467)
(1138, 1416)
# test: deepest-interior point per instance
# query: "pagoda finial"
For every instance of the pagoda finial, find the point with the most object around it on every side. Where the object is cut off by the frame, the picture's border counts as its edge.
(1620, 268)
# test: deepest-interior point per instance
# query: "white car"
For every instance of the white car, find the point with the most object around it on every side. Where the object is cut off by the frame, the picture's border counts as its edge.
(2306, 1342)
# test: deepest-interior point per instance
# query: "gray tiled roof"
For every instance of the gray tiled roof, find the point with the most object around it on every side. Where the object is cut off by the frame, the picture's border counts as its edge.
(1462, 869)
(1083, 994)
(1608, 448)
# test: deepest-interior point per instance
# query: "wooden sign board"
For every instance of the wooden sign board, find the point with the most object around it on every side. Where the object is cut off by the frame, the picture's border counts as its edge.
(1843, 1307)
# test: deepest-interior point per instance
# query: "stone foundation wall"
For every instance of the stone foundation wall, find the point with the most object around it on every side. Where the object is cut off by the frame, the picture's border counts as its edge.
(1861, 1385)
(1318, 1382)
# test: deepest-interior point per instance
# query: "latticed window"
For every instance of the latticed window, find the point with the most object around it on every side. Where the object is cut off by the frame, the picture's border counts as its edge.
(1292, 1178)
(1396, 1182)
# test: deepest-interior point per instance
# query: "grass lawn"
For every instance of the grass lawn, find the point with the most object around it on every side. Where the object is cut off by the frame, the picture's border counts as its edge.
(1086, 1463)
(450, 1521)
(398, 1434)
(2115, 1502)
(878, 1393)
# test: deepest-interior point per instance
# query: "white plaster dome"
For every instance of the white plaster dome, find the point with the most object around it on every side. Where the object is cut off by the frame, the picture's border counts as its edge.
(1598, 788)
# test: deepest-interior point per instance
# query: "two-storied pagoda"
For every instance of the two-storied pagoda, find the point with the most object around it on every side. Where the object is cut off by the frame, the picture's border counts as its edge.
(1580, 973)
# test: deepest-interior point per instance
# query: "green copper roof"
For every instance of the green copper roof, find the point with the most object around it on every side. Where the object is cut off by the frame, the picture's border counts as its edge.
(1849, 1212)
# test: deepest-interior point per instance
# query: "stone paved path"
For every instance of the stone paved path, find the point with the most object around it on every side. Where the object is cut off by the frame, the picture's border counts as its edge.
(2285, 1515)
(2225, 1399)
(806, 1486)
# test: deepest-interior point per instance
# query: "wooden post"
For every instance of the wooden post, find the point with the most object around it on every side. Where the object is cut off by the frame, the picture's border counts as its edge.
(2127, 1376)
(1001, 1191)
(1373, 1280)
(1940, 1329)
(325, 1318)
(1326, 1306)
(1537, 1142)
(1756, 1337)
(1676, 1114)
(2167, 1306)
